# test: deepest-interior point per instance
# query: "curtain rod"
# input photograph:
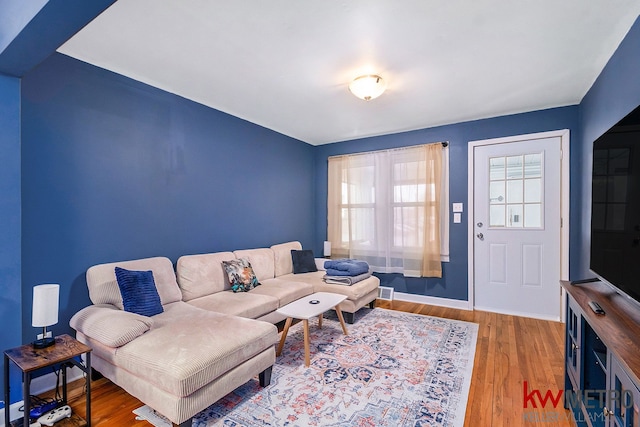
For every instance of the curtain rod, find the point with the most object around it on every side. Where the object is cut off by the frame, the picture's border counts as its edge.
(444, 144)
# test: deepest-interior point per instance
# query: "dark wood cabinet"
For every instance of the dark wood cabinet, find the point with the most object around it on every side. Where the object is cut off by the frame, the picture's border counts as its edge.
(602, 357)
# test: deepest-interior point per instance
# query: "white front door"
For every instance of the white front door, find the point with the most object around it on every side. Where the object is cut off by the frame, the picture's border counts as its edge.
(517, 227)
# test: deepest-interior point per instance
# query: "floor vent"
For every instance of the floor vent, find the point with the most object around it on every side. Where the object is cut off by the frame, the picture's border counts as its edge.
(385, 293)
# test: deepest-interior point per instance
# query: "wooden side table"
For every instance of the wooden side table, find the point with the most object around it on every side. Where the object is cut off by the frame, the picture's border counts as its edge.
(64, 353)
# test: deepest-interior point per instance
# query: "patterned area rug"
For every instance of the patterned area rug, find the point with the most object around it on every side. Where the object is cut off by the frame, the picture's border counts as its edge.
(393, 369)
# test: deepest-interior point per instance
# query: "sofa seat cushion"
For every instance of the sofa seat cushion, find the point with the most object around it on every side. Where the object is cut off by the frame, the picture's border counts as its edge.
(202, 274)
(282, 257)
(353, 292)
(262, 261)
(285, 291)
(188, 348)
(244, 304)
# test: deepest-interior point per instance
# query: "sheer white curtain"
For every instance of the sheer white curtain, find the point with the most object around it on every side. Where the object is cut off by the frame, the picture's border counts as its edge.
(384, 207)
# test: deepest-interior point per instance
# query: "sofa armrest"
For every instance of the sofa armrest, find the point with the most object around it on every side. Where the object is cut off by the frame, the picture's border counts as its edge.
(109, 325)
(320, 263)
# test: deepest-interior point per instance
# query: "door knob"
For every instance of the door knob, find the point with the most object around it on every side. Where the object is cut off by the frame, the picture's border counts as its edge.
(480, 224)
(480, 236)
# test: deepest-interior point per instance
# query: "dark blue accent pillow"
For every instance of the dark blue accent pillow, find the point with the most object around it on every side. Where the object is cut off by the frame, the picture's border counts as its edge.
(139, 293)
(303, 261)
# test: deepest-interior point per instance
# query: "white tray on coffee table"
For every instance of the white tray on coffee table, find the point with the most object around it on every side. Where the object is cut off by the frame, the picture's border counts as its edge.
(305, 308)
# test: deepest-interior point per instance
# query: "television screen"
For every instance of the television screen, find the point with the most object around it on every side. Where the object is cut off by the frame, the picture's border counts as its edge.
(615, 206)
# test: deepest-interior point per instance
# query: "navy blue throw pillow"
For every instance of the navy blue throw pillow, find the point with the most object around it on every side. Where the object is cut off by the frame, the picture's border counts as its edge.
(303, 261)
(139, 293)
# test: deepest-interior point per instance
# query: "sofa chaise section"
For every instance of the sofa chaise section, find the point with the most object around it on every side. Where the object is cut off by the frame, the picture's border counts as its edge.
(358, 295)
(180, 361)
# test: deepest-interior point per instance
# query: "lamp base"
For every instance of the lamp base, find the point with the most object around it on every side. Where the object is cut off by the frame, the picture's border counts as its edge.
(44, 342)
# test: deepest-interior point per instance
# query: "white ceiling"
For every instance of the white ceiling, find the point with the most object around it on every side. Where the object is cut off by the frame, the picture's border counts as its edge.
(286, 64)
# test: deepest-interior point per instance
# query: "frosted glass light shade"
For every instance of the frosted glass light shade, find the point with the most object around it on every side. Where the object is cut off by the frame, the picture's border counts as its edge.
(368, 87)
(45, 305)
(327, 248)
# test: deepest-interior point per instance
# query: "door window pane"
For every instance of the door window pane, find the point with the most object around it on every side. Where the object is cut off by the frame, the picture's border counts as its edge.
(533, 215)
(532, 165)
(514, 216)
(514, 167)
(515, 191)
(533, 190)
(496, 168)
(496, 192)
(496, 216)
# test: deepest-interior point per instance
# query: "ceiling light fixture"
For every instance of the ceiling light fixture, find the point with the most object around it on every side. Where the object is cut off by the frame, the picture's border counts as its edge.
(367, 87)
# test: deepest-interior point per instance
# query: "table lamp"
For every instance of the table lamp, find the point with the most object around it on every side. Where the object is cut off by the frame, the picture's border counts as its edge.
(45, 312)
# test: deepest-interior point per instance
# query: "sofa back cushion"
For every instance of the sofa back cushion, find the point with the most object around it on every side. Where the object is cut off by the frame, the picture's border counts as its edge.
(103, 286)
(282, 255)
(262, 261)
(202, 274)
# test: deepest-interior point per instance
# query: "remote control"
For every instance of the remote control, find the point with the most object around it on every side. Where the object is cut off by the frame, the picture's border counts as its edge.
(581, 281)
(596, 307)
(52, 417)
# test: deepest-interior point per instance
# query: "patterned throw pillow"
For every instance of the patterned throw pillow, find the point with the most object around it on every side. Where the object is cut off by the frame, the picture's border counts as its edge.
(241, 275)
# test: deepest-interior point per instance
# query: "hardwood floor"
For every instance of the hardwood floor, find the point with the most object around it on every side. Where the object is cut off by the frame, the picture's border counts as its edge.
(510, 351)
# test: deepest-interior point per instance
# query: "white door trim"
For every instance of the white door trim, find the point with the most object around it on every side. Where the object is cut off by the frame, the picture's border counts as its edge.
(564, 208)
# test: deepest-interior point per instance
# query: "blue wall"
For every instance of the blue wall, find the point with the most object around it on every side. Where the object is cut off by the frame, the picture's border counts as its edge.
(454, 277)
(10, 262)
(114, 169)
(613, 95)
(30, 32)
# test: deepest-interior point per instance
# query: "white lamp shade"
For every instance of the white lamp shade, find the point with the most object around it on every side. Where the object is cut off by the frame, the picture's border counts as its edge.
(327, 248)
(368, 87)
(45, 305)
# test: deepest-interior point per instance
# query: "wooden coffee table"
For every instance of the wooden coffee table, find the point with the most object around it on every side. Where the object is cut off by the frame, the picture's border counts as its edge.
(306, 308)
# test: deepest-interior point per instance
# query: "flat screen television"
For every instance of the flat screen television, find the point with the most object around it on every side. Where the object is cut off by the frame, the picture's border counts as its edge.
(615, 206)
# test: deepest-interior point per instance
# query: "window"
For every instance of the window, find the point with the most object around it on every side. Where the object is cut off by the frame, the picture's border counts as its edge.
(515, 191)
(385, 207)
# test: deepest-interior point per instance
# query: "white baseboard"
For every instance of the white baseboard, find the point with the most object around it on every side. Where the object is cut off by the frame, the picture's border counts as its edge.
(519, 314)
(441, 302)
(15, 413)
(41, 385)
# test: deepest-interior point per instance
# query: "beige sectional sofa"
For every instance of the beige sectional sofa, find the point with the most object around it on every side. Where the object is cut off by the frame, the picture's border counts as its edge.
(208, 340)
(204, 284)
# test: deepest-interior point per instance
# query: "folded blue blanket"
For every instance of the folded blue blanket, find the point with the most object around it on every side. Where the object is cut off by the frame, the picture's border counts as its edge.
(346, 267)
